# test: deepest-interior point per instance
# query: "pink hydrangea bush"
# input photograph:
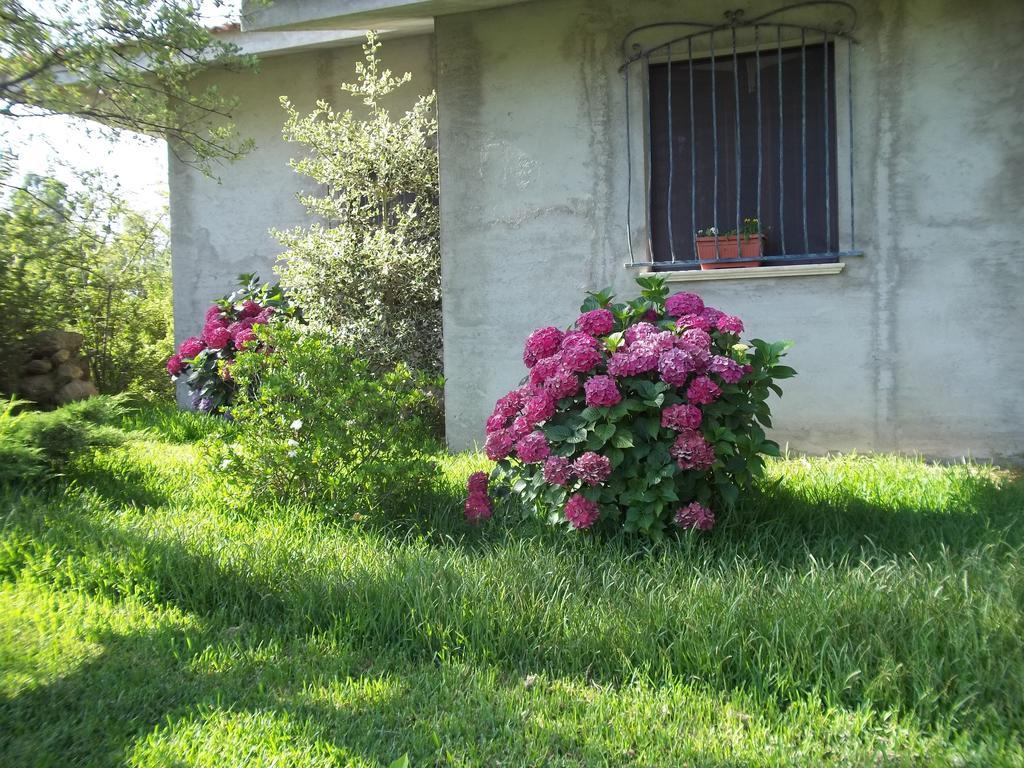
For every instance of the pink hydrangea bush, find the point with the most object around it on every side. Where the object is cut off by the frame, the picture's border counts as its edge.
(204, 362)
(644, 416)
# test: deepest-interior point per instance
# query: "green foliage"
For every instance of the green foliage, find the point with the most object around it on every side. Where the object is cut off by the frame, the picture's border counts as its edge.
(86, 262)
(128, 64)
(861, 611)
(371, 274)
(40, 444)
(314, 422)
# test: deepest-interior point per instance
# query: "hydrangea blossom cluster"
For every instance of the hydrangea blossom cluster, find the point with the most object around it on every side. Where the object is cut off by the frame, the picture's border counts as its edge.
(478, 504)
(645, 415)
(204, 361)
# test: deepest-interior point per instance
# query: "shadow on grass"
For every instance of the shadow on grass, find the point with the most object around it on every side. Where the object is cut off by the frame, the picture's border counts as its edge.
(341, 704)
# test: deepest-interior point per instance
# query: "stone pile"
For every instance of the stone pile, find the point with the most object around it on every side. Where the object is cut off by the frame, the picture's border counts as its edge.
(55, 371)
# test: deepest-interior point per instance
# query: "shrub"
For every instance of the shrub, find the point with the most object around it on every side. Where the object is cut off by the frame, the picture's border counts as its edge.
(370, 274)
(205, 362)
(36, 444)
(643, 416)
(313, 422)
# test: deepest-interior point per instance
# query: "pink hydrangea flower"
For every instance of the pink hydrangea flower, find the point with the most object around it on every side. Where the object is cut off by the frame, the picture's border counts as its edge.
(478, 505)
(191, 347)
(216, 337)
(243, 337)
(596, 322)
(694, 321)
(498, 445)
(729, 324)
(681, 417)
(676, 365)
(684, 304)
(602, 391)
(711, 315)
(542, 343)
(509, 405)
(730, 371)
(581, 512)
(580, 358)
(576, 338)
(692, 451)
(562, 384)
(495, 422)
(702, 391)
(695, 337)
(557, 470)
(544, 369)
(643, 356)
(695, 515)
(249, 309)
(651, 316)
(521, 426)
(477, 482)
(174, 365)
(264, 316)
(620, 364)
(213, 313)
(533, 448)
(638, 331)
(592, 468)
(214, 323)
(540, 407)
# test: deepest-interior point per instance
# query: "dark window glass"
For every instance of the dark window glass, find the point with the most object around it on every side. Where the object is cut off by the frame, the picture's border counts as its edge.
(782, 206)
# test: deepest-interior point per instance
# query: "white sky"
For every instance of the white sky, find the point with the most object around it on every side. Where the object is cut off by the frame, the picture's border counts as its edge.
(57, 146)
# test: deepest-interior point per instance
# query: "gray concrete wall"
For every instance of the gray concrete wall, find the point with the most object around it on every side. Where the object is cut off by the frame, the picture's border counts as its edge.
(219, 228)
(914, 347)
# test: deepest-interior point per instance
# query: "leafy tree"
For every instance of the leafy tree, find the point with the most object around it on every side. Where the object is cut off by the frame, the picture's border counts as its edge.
(368, 271)
(128, 64)
(86, 262)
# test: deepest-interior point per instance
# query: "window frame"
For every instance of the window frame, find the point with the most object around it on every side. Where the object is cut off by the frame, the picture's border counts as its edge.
(639, 139)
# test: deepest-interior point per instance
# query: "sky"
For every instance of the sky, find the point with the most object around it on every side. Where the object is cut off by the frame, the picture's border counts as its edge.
(59, 146)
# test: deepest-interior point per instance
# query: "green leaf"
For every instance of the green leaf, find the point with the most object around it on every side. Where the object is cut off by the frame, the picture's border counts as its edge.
(623, 437)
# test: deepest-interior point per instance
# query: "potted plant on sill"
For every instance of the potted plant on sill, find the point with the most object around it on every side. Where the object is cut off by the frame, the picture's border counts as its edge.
(729, 250)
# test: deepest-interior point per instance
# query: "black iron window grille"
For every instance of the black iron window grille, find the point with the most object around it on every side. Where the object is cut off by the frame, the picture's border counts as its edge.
(741, 157)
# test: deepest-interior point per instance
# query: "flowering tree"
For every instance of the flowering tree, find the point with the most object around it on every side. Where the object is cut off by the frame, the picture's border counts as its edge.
(204, 361)
(643, 415)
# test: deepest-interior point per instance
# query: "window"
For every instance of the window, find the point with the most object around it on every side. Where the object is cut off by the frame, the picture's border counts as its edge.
(777, 157)
(743, 125)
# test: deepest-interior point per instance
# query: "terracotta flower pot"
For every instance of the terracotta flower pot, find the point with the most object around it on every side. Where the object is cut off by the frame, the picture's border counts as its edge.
(750, 246)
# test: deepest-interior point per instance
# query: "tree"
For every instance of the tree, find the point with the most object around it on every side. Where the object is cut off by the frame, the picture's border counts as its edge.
(369, 272)
(86, 262)
(127, 64)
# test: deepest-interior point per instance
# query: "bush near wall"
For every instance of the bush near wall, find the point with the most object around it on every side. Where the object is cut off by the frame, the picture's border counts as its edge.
(643, 416)
(315, 422)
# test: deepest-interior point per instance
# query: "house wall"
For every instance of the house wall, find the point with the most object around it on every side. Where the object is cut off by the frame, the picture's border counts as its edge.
(913, 347)
(220, 227)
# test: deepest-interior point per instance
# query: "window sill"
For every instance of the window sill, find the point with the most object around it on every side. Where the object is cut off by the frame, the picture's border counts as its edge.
(744, 273)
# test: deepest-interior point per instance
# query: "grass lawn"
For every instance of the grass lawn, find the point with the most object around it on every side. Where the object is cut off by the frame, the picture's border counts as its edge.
(860, 611)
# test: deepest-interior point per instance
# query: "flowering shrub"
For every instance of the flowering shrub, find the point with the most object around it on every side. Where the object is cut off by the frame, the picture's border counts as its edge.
(204, 362)
(644, 416)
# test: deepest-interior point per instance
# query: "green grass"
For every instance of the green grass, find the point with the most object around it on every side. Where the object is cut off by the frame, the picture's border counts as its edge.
(860, 611)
